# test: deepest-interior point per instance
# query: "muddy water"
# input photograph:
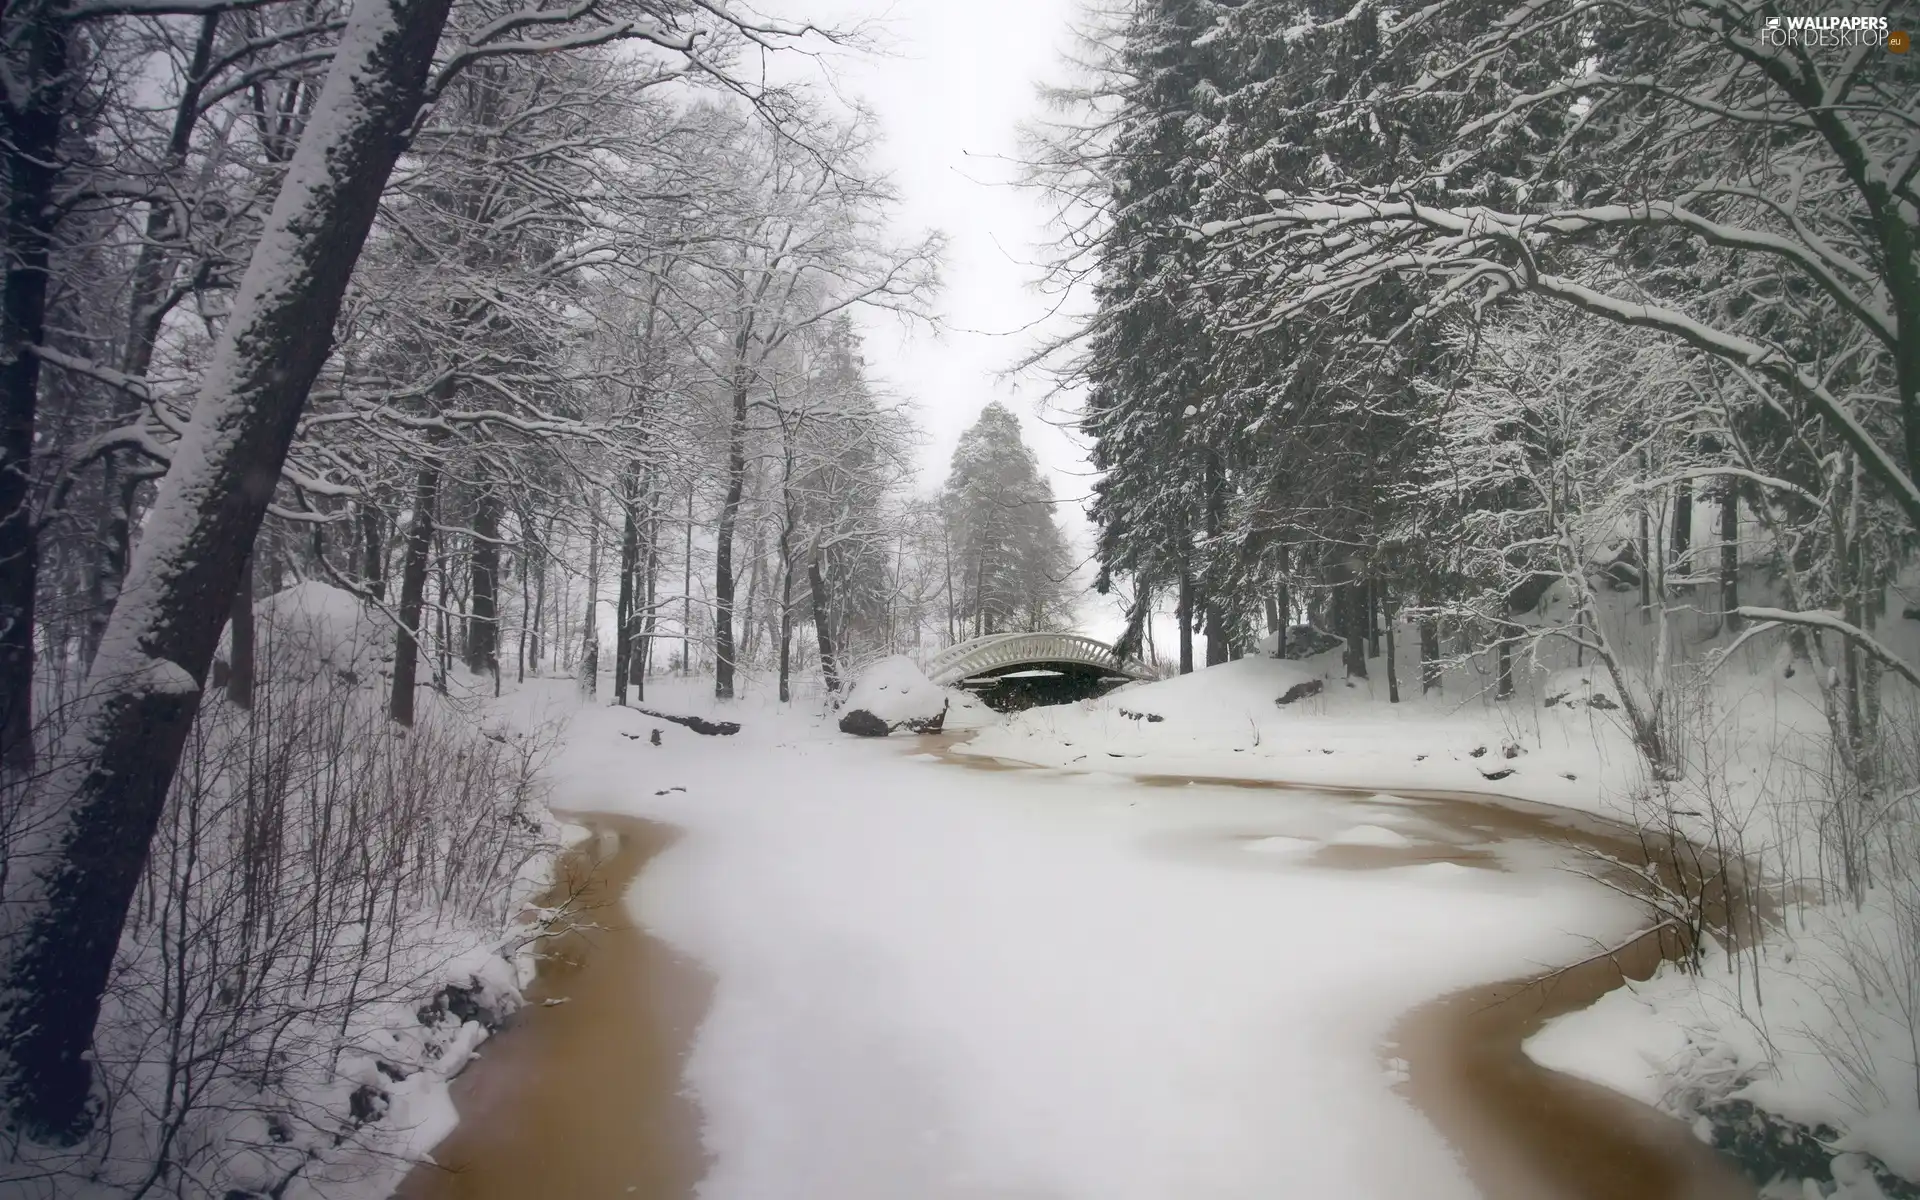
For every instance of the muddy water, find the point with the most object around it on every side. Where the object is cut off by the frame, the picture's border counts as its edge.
(581, 1095)
(1523, 1132)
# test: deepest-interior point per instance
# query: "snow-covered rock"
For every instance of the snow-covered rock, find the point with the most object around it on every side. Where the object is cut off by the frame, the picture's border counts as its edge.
(893, 694)
(1583, 687)
(312, 629)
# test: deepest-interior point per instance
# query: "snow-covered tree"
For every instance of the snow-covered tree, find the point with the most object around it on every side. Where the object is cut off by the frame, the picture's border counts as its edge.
(1010, 558)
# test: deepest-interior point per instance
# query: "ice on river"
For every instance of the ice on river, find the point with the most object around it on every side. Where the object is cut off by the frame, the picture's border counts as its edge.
(940, 981)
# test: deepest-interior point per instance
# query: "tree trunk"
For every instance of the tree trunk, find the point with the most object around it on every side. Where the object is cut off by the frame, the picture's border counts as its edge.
(33, 106)
(1429, 655)
(823, 627)
(1351, 600)
(1373, 605)
(1503, 686)
(536, 626)
(240, 640)
(1218, 650)
(483, 611)
(1283, 602)
(786, 623)
(643, 649)
(1730, 553)
(1393, 673)
(413, 593)
(1646, 551)
(1682, 525)
(1183, 611)
(102, 806)
(686, 592)
(526, 611)
(443, 601)
(723, 549)
(590, 633)
(785, 551)
(373, 553)
(623, 608)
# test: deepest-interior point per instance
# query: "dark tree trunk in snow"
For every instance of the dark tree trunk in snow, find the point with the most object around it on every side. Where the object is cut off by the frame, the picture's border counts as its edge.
(373, 553)
(1682, 524)
(100, 809)
(240, 639)
(723, 548)
(1375, 602)
(822, 625)
(623, 608)
(1283, 602)
(413, 593)
(1351, 602)
(483, 614)
(1218, 651)
(1393, 674)
(590, 623)
(1429, 654)
(32, 108)
(1183, 612)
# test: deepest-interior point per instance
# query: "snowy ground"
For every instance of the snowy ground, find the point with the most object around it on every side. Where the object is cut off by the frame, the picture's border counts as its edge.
(936, 981)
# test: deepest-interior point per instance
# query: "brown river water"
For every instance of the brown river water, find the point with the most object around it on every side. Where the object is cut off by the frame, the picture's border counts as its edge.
(584, 1098)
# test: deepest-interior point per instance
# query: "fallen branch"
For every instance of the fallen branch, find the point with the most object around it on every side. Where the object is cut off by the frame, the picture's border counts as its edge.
(697, 724)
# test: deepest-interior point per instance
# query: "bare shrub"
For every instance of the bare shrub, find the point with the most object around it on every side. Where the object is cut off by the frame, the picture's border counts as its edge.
(317, 873)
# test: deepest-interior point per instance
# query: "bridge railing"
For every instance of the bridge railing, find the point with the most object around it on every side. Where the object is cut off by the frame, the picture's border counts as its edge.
(959, 650)
(1012, 649)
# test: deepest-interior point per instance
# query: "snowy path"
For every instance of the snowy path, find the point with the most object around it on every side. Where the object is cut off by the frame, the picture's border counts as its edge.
(942, 982)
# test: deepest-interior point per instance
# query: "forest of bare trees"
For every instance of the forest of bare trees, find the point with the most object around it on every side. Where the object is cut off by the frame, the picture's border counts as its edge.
(530, 329)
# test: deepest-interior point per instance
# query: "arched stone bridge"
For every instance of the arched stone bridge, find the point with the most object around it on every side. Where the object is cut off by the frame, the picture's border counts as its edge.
(1018, 670)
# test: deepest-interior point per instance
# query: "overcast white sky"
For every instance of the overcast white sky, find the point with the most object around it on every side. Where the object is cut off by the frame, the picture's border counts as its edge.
(959, 79)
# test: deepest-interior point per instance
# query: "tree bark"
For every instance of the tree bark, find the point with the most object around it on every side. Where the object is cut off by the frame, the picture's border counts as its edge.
(590, 632)
(1283, 602)
(1682, 525)
(1352, 603)
(1374, 603)
(723, 549)
(413, 593)
(1218, 649)
(623, 607)
(643, 645)
(823, 625)
(483, 612)
(31, 112)
(1429, 655)
(101, 807)
(1183, 612)
(1393, 673)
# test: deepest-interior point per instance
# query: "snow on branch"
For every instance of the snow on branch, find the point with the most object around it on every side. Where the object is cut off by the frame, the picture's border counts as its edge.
(1773, 618)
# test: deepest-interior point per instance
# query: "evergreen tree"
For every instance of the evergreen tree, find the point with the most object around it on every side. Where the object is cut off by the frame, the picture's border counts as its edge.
(1010, 557)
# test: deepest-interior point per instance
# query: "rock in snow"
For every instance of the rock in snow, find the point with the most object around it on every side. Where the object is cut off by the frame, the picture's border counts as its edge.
(891, 695)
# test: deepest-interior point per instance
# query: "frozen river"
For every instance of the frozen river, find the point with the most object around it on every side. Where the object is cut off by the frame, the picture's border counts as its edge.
(864, 971)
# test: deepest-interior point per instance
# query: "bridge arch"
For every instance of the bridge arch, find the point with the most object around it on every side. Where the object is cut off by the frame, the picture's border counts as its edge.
(999, 654)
